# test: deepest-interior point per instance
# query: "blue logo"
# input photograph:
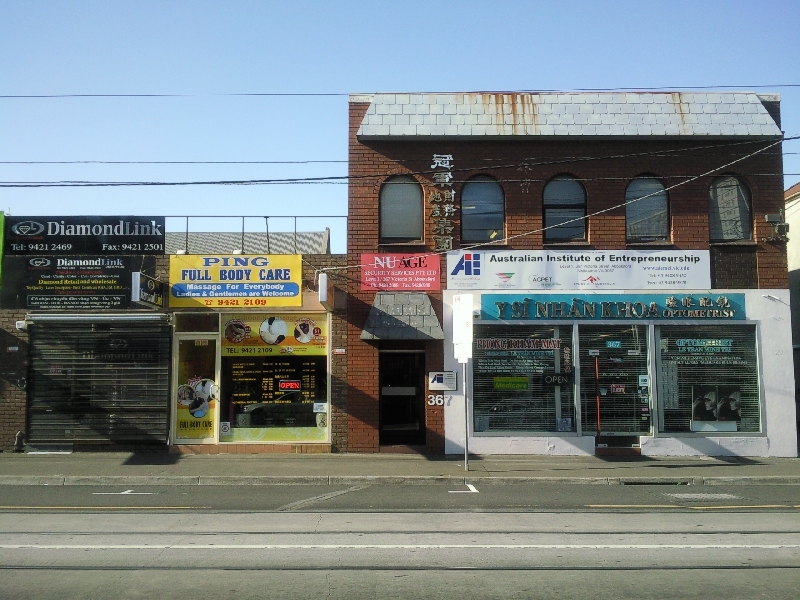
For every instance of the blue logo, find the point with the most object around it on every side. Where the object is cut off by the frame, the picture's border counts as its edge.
(470, 263)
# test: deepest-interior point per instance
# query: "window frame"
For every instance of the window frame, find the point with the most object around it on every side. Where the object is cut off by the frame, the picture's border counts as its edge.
(384, 239)
(465, 217)
(749, 205)
(561, 206)
(646, 239)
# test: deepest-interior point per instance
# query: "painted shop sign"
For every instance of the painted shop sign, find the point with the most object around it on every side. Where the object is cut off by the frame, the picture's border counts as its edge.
(248, 334)
(236, 280)
(67, 282)
(84, 235)
(576, 270)
(400, 272)
(502, 307)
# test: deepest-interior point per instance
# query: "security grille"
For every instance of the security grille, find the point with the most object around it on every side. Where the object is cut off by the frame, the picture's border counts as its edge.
(99, 382)
(612, 359)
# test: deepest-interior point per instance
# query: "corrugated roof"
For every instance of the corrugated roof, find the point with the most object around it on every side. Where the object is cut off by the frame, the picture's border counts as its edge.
(309, 242)
(566, 114)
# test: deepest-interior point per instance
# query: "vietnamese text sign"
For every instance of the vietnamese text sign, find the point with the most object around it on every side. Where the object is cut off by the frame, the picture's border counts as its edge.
(400, 272)
(84, 235)
(66, 282)
(613, 306)
(236, 280)
(579, 270)
(274, 334)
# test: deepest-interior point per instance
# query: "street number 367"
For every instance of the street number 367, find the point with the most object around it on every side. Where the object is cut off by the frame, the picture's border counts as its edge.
(435, 399)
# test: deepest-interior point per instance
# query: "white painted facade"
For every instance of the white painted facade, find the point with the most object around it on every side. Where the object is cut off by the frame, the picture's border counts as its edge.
(768, 310)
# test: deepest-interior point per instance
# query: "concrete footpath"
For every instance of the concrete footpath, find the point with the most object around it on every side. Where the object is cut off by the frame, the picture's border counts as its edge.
(342, 469)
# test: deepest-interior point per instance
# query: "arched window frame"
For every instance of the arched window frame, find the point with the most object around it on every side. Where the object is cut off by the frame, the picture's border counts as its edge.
(556, 210)
(654, 208)
(495, 232)
(401, 215)
(739, 211)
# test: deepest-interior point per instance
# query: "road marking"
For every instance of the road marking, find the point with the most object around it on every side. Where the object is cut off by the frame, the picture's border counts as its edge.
(721, 507)
(633, 506)
(315, 499)
(399, 546)
(704, 496)
(471, 490)
(734, 506)
(103, 507)
(125, 493)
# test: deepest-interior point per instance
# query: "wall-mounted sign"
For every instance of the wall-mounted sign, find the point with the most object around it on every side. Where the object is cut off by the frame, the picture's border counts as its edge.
(400, 272)
(274, 334)
(84, 235)
(442, 380)
(146, 289)
(66, 282)
(235, 281)
(503, 307)
(576, 270)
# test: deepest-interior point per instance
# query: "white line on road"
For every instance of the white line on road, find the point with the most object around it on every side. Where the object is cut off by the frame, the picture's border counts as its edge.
(125, 493)
(471, 490)
(398, 546)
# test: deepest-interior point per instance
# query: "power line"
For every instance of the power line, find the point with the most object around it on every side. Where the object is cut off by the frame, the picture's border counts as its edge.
(340, 94)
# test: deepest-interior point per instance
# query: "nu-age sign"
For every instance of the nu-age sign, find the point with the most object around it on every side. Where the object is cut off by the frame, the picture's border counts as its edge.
(236, 280)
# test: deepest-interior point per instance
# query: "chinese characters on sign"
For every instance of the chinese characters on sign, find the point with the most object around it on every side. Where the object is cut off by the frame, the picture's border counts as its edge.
(443, 203)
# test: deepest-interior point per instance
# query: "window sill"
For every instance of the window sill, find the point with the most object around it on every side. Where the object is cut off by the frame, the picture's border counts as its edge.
(579, 244)
(414, 244)
(746, 243)
(657, 244)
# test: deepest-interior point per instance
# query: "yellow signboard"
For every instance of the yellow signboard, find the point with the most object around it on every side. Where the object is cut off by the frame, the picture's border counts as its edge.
(235, 280)
(273, 334)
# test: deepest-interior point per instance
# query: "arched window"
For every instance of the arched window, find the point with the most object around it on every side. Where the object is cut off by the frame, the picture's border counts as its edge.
(482, 210)
(564, 210)
(401, 210)
(728, 210)
(646, 210)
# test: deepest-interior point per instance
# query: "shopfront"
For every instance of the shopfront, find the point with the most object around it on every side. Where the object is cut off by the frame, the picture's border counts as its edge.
(251, 353)
(688, 372)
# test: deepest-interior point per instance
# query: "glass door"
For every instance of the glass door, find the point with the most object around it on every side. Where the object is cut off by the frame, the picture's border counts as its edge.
(196, 391)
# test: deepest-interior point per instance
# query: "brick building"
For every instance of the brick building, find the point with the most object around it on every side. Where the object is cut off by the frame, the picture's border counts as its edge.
(621, 251)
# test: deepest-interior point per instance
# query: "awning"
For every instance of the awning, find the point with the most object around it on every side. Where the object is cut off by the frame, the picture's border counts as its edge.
(402, 316)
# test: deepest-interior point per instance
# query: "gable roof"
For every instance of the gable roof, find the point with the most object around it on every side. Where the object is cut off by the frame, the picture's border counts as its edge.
(566, 114)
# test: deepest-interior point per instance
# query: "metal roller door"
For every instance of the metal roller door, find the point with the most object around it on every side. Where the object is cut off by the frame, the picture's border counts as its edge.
(101, 381)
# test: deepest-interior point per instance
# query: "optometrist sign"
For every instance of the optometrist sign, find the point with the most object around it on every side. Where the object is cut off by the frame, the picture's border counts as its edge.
(579, 270)
(235, 281)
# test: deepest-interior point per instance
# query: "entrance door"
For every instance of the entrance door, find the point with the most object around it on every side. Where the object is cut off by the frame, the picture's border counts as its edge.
(402, 398)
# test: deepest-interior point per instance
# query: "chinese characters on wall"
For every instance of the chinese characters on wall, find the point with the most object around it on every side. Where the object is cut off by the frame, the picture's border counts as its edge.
(442, 201)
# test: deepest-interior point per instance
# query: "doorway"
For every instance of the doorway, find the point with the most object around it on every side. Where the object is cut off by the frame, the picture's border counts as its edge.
(401, 378)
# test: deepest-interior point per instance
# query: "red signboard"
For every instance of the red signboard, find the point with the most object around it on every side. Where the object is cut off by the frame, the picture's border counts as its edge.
(400, 272)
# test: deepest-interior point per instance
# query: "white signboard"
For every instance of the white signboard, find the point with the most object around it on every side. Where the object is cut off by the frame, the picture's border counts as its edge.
(579, 270)
(462, 326)
(442, 380)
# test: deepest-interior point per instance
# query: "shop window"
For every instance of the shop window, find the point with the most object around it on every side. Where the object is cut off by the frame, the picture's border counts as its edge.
(401, 210)
(708, 379)
(482, 210)
(728, 210)
(614, 376)
(564, 210)
(646, 210)
(523, 379)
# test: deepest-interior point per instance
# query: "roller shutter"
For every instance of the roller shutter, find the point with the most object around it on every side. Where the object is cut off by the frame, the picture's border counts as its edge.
(105, 381)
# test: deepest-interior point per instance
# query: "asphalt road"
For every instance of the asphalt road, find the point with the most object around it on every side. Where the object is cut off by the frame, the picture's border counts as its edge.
(394, 541)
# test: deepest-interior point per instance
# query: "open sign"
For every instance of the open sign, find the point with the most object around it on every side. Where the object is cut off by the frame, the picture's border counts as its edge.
(557, 379)
(289, 384)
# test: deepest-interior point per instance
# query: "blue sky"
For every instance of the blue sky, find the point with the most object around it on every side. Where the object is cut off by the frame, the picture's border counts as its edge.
(208, 49)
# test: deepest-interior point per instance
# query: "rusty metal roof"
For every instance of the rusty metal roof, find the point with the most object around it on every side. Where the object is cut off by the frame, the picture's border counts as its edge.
(566, 114)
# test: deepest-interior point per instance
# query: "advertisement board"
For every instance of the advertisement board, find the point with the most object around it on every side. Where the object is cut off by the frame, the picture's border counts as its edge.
(273, 334)
(37, 236)
(383, 272)
(235, 280)
(578, 270)
(66, 282)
